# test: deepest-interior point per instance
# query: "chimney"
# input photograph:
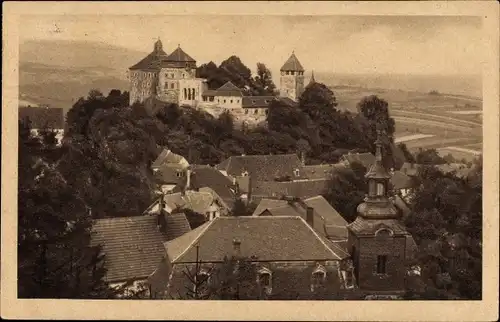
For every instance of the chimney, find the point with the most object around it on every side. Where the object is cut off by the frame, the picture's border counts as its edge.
(310, 216)
(161, 220)
(188, 179)
(302, 156)
(237, 247)
(249, 193)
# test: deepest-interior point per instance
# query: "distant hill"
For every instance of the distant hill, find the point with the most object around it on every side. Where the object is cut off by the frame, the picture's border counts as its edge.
(59, 72)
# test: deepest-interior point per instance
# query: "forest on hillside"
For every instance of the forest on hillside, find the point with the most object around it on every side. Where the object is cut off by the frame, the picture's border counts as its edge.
(102, 169)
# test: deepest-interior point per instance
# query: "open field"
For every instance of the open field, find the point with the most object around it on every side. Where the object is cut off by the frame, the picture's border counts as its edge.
(459, 155)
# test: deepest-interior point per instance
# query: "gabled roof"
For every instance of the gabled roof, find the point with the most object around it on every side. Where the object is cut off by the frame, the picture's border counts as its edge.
(299, 189)
(153, 61)
(167, 157)
(176, 225)
(203, 176)
(292, 64)
(296, 241)
(228, 89)
(257, 101)
(197, 201)
(40, 117)
(133, 246)
(179, 55)
(399, 180)
(327, 222)
(321, 171)
(261, 167)
(367, 159)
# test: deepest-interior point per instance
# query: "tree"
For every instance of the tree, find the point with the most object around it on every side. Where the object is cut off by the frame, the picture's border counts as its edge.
(263, 81)
(317, 99)
(407, 154)
(240, 208)
(429, 156)
(54, 257)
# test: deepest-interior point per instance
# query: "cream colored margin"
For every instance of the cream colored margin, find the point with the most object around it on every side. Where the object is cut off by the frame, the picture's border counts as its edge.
(484, 310)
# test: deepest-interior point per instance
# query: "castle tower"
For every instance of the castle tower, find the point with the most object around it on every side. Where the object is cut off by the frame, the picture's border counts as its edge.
(292, 78)
(143, 76)
(379, 243)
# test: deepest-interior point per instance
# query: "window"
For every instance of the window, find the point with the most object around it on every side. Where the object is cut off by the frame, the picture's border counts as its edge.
(237, 101)
(264, 279)
(256, 111)
(381, 264)
(372, 188)
(224, 101)
(266, 111)
(211, 99)
(180, 174)
(380, 189)
(296, 172)
(231, 101)
(318, 278)
(246, 111)
(293, 73)
(171, 75)
(172, 85)
(185, 93)
(182, 75)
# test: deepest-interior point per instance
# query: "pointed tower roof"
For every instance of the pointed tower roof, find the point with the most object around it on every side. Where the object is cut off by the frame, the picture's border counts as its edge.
(377, 170)
(292, 64)
(153, 60)
(179, 55)
(312, 80)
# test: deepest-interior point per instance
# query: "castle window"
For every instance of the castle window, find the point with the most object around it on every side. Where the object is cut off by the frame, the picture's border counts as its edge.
(293, 73)
(182, 75)
(381, 264)
(172, 85)
(211, 99)
(318, 278)
(224, 101)
(246, 111)
(185, 93)
(256, 111)
(287, 72)
(231, 101)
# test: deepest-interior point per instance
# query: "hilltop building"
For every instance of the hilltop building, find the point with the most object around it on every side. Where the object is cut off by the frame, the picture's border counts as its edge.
(172, 78)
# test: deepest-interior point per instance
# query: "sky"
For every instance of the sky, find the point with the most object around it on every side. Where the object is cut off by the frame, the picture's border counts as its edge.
(443, 45)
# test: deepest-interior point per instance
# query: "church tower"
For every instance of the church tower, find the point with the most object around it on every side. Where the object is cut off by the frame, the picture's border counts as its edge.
(292, 78)
(378, 242)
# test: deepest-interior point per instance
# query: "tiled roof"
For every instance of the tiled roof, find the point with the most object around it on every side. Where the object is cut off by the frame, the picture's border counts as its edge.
(292, 64)
(167, 157)
(228, 89)
(267, 238)
(153, 61)
(133, 246)
(179, 55)
(327, 221)
(300, 189)
(262, 167)
(207, 176)
(257, 101)
(167, 175)
(176, 225)
(363, 226)
(321, 171)
(40, 117)
(399, 180)
(366, 159)
(195, 200)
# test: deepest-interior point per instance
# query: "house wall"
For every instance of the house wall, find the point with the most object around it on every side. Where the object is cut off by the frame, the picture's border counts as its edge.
(229, 102)
(142, 85)
(290, 280)
(368, 248)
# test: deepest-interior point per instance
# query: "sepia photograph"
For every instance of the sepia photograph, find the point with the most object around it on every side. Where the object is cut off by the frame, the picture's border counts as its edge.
(182, 156)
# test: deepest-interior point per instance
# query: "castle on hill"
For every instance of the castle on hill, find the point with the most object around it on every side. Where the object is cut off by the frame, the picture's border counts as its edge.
(172, 78)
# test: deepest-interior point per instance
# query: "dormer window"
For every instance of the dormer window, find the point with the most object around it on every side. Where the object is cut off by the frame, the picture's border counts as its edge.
(296, 172)
(264, 279)
(318, 278)
(245, 174)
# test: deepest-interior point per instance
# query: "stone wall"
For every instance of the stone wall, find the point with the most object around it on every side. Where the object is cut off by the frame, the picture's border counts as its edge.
(142, 85)
(291, 86)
